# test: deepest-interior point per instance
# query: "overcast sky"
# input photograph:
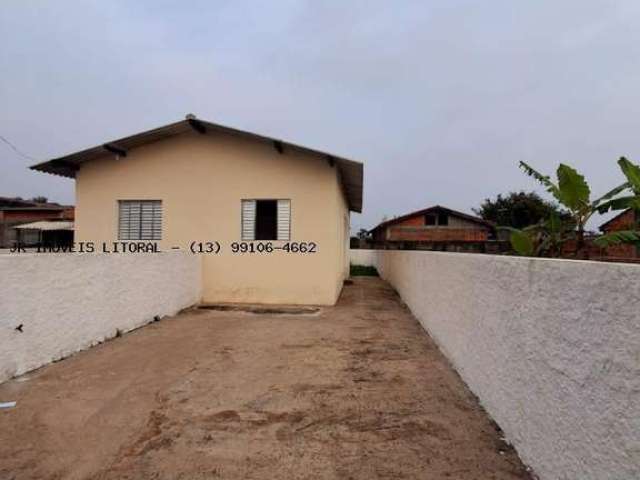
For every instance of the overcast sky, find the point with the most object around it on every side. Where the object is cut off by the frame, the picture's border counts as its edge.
(439, 99)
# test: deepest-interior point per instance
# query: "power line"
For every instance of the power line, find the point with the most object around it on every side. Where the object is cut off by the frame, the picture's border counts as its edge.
(17, 150)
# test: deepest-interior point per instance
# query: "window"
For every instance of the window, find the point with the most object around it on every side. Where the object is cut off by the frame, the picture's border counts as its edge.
(266, 220)
(429, 219)
(440, 219)
(140, 220)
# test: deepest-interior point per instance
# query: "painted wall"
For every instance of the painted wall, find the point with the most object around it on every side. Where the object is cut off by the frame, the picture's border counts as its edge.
(551, 348)
(69, 302)
(201, 180)
(365, 258)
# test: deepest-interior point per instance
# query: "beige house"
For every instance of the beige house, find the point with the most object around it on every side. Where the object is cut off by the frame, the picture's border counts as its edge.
(270, 219)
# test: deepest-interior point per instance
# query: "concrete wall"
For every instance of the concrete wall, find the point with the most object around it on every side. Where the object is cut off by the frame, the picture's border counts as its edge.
(366, 258)
(68, 302)
(201, 181)
(551, 348)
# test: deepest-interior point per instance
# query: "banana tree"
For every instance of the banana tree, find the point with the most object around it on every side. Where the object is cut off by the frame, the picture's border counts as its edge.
(573, 193)
(543, 239)
(632, 173)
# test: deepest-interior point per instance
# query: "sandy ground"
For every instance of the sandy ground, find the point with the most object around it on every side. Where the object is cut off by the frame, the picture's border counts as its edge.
(358, 391)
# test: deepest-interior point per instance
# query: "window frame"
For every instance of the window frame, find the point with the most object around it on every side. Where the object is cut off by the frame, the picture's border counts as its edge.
(120, 203)
(277, 200)
(434, 217)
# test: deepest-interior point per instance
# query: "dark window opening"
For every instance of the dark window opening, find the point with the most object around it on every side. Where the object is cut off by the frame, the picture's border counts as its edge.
(443, 219)
(266, 220)
(429, 220)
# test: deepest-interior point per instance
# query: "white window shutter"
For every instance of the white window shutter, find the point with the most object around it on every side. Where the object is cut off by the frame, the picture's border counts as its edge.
(284, 220)
(156, 231)
(140, 220)
(248, 220)
(124, 220)
(151, 220)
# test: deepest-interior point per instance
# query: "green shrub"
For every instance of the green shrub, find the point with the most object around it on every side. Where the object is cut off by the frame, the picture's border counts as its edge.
(363, 271)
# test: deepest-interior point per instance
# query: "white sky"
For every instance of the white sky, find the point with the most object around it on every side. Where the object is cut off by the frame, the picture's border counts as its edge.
(439, 99)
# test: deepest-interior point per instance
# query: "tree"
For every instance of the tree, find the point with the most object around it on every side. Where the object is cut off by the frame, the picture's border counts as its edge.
(543, 239)
(573, 193)
(39, 199)
(517, 209)
(632, 172)
(363, 233)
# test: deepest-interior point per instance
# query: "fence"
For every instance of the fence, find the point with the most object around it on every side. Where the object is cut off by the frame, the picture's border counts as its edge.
(550, 347)
(52, 305)
(365, 258)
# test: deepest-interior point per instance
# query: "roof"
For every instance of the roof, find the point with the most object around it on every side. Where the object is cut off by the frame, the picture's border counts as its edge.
(604, 226)
(435, 208)
(38, 208)
(44, 225)
(15, 202)
(67, 166)
(9, 203)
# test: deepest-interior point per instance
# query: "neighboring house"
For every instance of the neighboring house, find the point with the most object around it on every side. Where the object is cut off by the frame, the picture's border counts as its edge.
(15, 211)
(435, 228)
(50, 234)
(626, 220)
(193, 183)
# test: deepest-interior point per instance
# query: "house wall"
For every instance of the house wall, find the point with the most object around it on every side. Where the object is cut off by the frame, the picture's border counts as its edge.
(437, 234)
(413, 229)
(625, 221)
(345, 239)
(69, 302)
(550, 347)
(201, 180)
(417, 221)
(457, 222)
(454, 222)
(26, 216)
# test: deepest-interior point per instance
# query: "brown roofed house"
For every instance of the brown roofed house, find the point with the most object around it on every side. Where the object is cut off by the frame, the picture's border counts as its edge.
(16, 211)
(626, 220)
(435, 228)
(269, 218)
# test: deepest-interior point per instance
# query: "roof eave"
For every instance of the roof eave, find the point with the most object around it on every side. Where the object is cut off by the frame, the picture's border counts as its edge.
(68, 165)
(471, 218)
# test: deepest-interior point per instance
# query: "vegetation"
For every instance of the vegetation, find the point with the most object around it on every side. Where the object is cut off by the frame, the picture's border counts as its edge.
(543, 239)
(363, 271)
(632, 201)
(571, 191)
(518, 209)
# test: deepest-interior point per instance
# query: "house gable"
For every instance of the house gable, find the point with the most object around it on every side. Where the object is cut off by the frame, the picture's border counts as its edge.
(351, 172)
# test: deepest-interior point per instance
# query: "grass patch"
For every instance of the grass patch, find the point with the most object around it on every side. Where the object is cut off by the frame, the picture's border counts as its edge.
(363, 271)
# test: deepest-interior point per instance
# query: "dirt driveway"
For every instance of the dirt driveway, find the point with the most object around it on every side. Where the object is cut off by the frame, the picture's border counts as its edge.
(358, 391)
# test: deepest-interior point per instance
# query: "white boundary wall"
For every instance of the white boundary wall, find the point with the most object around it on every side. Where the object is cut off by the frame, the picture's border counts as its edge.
(68, 302)
(365, 258)
(551, 348)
